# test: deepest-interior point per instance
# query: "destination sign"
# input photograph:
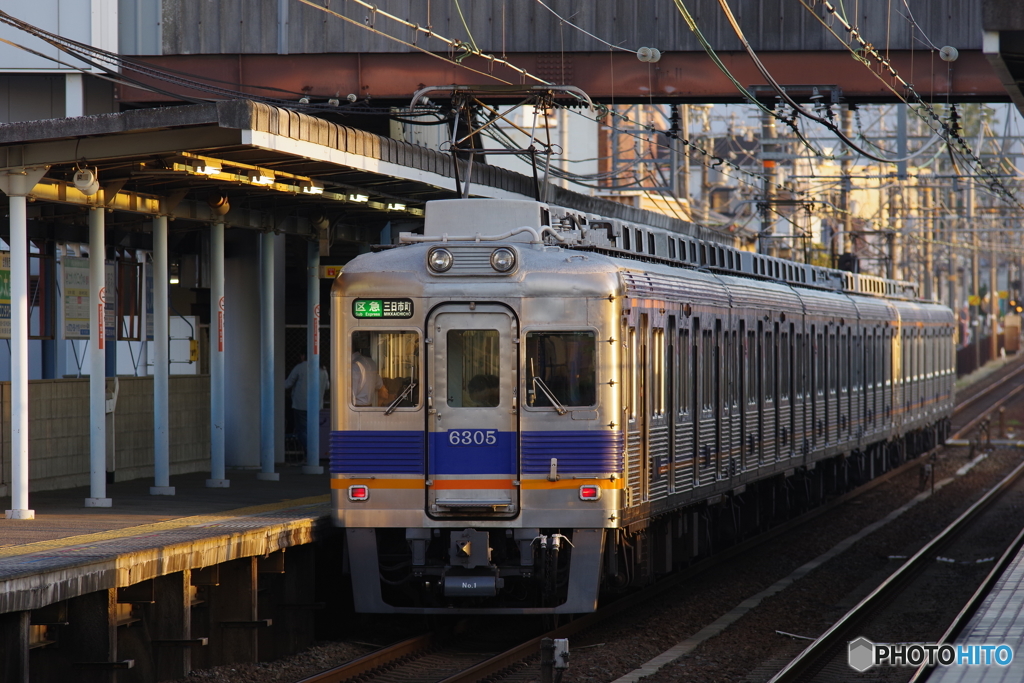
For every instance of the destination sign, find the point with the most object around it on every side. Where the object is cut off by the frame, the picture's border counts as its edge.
(382, 308)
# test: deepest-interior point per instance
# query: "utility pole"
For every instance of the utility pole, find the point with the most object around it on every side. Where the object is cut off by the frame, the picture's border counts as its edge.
(975, 279)
(929, 222)
(847, 186)
(686, 152)
(673, 141)
(892, 264)
(768, 194)
(993, 300)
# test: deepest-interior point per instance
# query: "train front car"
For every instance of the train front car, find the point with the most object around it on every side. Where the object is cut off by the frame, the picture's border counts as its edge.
(476, 450)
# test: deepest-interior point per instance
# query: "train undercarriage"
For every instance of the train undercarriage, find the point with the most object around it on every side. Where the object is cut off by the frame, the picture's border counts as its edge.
(476, 569)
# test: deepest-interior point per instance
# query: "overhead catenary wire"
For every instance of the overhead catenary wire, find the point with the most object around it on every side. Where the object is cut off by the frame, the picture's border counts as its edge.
(947, 132)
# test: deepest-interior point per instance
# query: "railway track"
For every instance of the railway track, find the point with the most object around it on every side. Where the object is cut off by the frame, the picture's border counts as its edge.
(825, 658)
(425, 658)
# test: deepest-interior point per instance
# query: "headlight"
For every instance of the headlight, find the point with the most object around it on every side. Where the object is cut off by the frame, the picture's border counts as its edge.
(440, 260)
(503, 260)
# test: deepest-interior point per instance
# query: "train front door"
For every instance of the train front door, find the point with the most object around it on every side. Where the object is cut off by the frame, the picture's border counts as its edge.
(473, 450)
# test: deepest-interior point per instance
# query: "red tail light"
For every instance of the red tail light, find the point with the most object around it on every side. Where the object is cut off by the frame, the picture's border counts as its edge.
(358, 492)
(590, 492)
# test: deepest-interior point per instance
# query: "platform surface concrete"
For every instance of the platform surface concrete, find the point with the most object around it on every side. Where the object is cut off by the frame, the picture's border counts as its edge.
(70, 550)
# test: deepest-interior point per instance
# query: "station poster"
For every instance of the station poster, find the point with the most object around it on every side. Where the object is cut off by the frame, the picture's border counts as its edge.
(76, 298)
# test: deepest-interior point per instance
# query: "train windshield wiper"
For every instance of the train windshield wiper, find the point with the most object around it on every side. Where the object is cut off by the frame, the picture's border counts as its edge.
(405, 393)
(537, 381)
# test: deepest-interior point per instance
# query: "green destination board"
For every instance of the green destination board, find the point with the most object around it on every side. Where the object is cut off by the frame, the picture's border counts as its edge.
(382, 308)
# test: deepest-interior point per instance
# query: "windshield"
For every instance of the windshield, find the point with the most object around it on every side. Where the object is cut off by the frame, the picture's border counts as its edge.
(473, 369)
(384, 364)
(565, 363)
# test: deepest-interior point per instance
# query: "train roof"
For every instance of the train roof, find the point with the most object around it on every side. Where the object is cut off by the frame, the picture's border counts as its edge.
(691, 246)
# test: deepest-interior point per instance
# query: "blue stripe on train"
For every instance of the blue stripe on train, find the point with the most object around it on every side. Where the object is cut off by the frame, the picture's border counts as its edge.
(402, 452)
(577, 452)
(377, 452)
(446, 458)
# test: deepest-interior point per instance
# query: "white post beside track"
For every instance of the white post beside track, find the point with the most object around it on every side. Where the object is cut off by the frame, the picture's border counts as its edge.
(19, 360)
(217, 475)
(97, 361)
(267, 386)
(161, 367)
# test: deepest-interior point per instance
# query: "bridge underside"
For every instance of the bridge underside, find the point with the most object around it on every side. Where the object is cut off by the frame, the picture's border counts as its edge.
(606, 77)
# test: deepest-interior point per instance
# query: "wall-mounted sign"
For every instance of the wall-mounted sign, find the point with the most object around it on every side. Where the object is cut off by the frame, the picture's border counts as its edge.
(76, 298)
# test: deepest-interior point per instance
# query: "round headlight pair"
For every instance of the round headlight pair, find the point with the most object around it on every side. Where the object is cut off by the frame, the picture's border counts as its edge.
(440, 259)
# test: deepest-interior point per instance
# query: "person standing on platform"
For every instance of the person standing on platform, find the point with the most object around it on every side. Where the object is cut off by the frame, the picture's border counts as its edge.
(296, 382)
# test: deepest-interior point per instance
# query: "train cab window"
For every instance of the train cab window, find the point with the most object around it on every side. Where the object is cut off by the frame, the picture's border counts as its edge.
(385, 369)
(561, 365)
(474, 369)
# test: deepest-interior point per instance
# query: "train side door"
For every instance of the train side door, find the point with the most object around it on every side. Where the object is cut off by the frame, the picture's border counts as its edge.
(473, 450)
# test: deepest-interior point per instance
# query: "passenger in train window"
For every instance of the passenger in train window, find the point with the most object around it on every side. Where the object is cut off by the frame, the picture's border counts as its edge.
(367, 387)
(483, 391)
(385, 367)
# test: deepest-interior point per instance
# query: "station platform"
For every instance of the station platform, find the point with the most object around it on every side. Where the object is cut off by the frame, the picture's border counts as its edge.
(999, 621)
(77, 542)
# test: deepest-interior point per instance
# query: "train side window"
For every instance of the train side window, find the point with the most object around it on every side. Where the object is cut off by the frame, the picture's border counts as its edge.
(650, 243)
(751, 375)
(639, 241)
(707, 386)
(784, 371)
(685, 372)
(625, 238)
(658, 364)
(844, 366)
(634, 380)
(833, 370)
(671, 247)
(693, 253)
(474, 369)
(564, 364)
(385, 366)
(819, 351)
(769, 367)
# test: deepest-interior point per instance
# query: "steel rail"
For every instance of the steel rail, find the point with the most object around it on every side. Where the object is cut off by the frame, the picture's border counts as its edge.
(973, 423)
(974, 603)
(806, 663)
(987, 390)
(373, 660)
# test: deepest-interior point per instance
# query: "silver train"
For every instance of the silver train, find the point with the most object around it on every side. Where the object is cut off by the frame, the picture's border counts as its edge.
(533, 405)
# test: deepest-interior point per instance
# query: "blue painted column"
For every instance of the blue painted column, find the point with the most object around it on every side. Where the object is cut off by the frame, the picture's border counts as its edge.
(97, 362)
(267, 384)
(217, 475)
(313, 389)
(161, 365)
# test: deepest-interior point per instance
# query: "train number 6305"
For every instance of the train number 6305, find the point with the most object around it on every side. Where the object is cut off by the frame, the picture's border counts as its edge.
(473, 437)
